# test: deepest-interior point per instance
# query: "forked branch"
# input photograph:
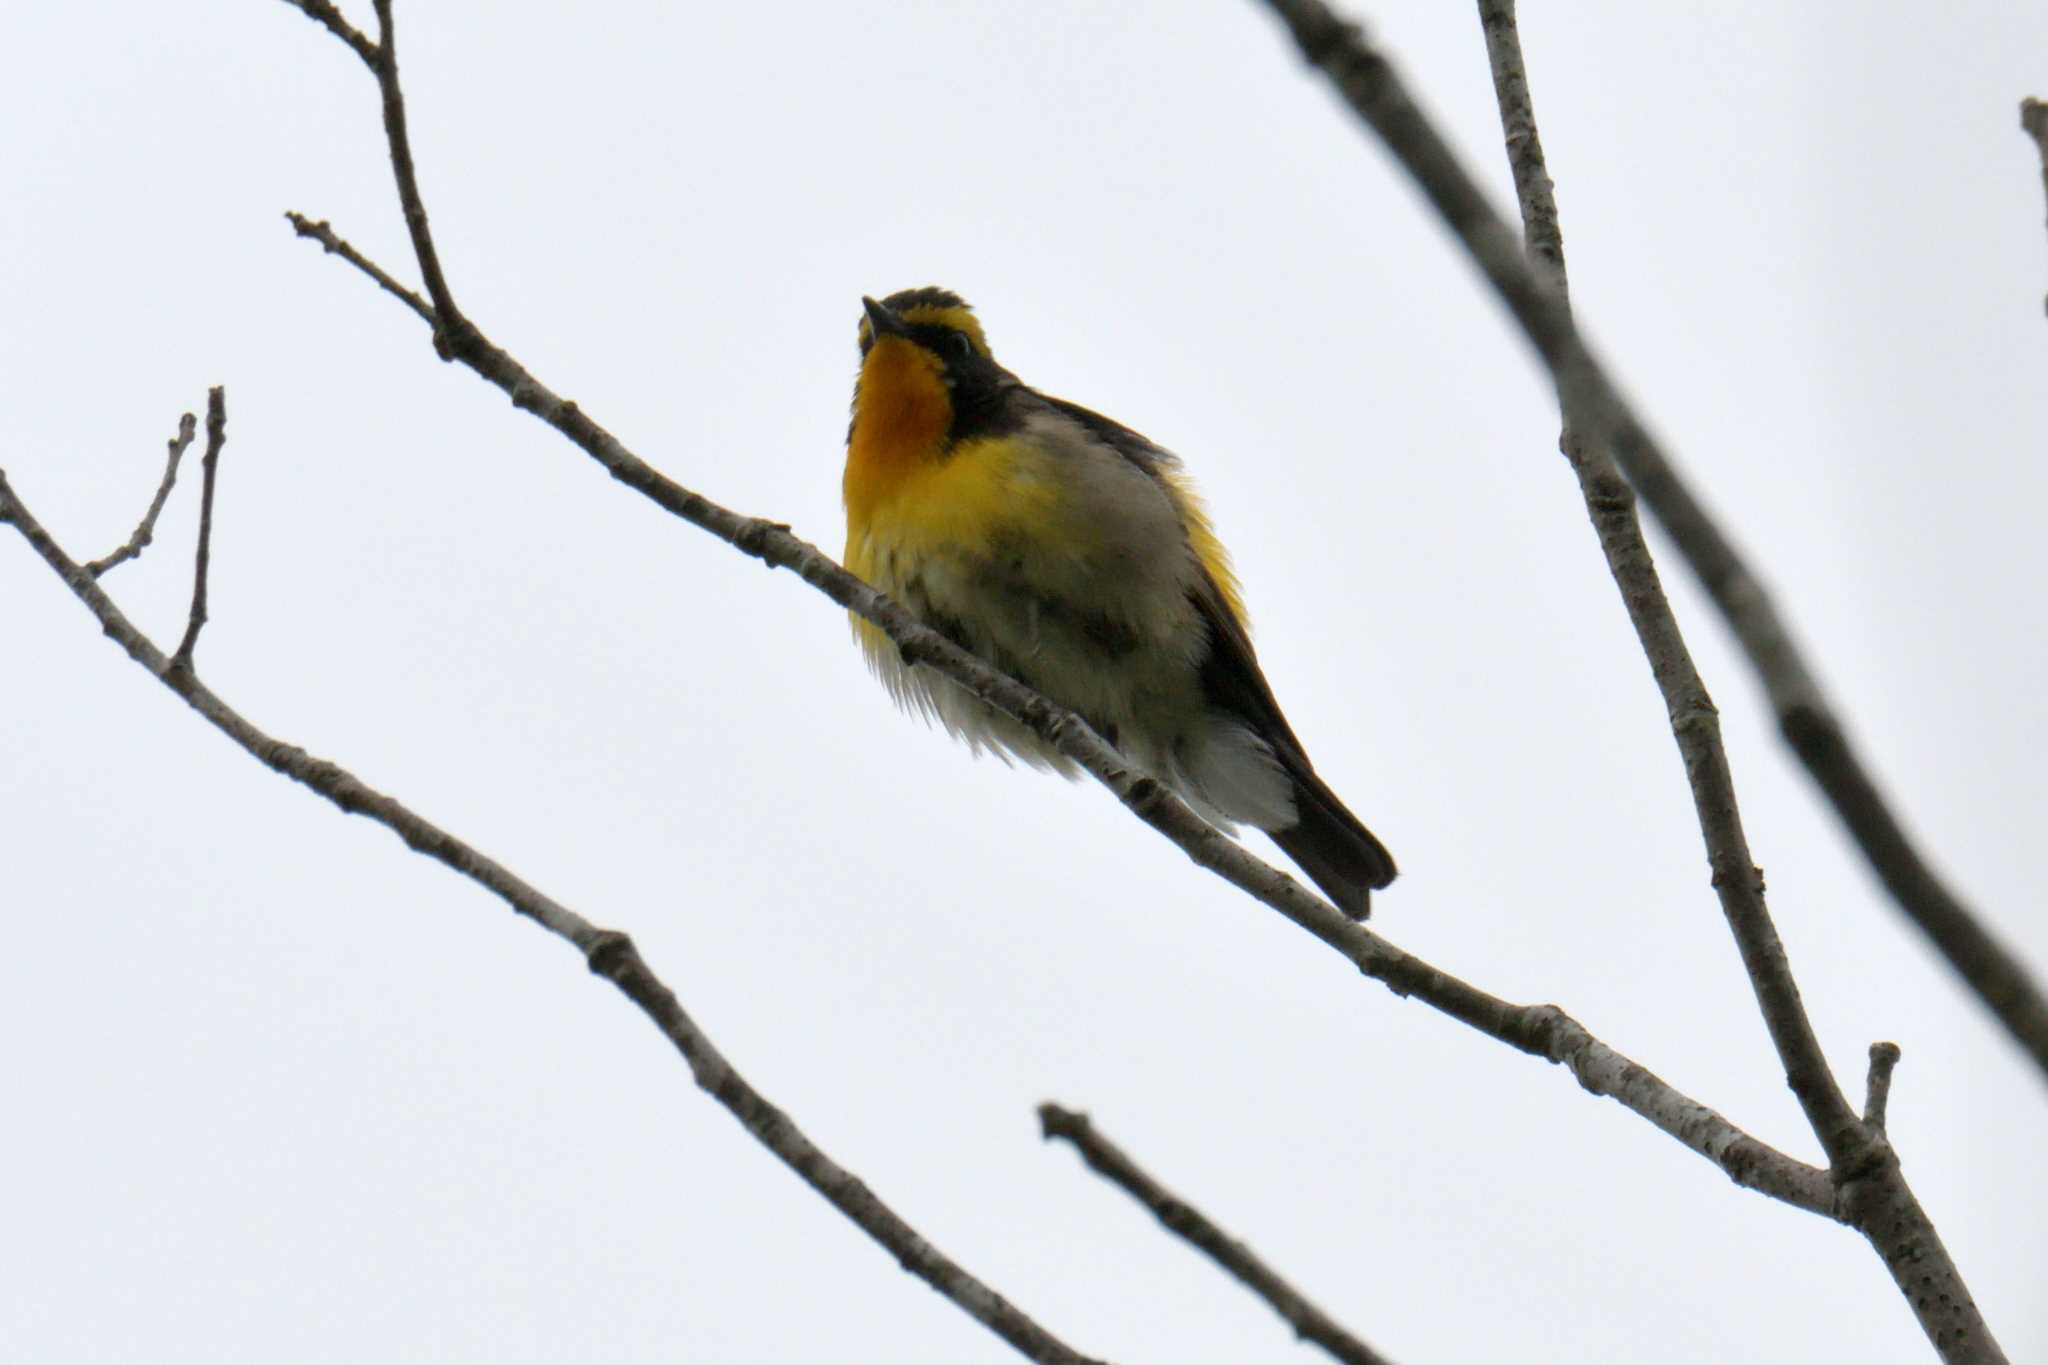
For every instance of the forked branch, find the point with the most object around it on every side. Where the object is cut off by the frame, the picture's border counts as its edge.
(1603, 418)
(1862, 1163)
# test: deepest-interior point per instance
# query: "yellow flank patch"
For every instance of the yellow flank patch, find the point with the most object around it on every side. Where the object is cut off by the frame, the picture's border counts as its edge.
(1209, 551)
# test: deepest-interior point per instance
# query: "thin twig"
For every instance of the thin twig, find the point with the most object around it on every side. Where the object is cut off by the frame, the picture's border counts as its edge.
(1540, 1030)
(145, 530)
(449, 324)
(325, 14)
(1877, 1086)
(2034, 122)
(609, 954)
(1803, 713)
(1106, 1159)
(323, 233)
(202, 558)
(1542, 233)
(1861, 1159)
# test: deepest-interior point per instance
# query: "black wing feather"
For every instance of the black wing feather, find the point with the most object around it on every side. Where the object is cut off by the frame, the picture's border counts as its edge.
(1326, 841)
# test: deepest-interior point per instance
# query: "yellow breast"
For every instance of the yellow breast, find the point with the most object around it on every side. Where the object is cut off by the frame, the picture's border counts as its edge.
(908, 492)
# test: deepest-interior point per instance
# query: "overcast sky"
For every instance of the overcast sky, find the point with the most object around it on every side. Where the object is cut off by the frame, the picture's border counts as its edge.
(280, 1090)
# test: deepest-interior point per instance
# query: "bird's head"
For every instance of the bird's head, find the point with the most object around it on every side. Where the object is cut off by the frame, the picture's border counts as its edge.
(931, 319)
(927, 380)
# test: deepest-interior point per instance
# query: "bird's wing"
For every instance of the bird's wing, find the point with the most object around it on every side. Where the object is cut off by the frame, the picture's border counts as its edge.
(1329, 843)
(1163, 467)
(1233, 680)
(1326, 840)
(1139, 449)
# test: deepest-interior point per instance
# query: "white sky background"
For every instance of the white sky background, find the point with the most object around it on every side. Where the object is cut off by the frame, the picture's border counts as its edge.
(281, 1090)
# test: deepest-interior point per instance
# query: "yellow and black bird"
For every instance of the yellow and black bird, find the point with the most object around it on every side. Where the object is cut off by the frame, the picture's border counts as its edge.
(1071, 553)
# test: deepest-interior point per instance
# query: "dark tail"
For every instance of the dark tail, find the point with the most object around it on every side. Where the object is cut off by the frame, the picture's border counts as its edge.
(1327, 841)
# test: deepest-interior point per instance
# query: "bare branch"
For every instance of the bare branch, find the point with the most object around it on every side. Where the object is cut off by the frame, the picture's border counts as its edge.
(1877, 1087)
(325, 14)
(1695, 723)
(323, 233)
(1541, 1030)
(2000, 981)
(1860, 1157)
(2034, 122)
(145, 530)
(609, 954)
(1106, 1159)
(382, 59)
(1802, 710)
(209, 463)
(1747, 1161)
(449, 319)
(1542, 233)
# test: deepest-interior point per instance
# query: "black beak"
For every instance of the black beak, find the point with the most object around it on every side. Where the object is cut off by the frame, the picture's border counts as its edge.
(884, 319)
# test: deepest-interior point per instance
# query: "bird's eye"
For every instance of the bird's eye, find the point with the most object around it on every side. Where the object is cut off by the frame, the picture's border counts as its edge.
(962, 344)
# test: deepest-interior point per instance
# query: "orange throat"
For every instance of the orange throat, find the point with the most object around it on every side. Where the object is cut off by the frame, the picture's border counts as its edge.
(902, 410)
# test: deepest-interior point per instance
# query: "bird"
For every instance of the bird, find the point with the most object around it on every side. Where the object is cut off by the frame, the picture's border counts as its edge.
(1073, 554)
